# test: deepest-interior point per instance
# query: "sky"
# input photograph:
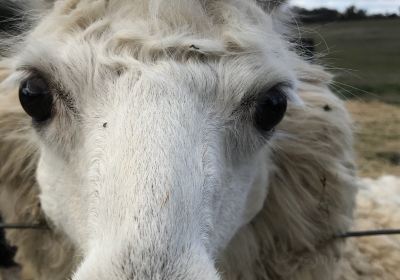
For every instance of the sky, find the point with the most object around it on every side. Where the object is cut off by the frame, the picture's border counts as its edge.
(372, 6)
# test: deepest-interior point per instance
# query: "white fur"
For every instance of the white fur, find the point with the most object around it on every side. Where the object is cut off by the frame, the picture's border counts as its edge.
(150, 170)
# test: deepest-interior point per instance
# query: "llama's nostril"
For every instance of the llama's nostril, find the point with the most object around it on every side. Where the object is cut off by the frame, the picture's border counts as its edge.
(270, 109)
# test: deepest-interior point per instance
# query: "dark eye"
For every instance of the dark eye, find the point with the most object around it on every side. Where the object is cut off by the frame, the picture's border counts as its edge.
(36, 99)
(270, 108)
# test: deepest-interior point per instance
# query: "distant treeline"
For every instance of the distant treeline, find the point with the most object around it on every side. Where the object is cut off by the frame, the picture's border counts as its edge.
(325, 15)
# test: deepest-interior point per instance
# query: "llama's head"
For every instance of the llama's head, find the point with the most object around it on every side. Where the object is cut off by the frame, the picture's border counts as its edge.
(155, 121)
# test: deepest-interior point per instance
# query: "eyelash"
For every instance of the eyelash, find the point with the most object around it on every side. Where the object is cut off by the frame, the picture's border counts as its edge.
(66, 100)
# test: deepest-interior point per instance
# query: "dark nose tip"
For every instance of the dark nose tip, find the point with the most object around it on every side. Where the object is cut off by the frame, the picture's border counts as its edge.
(270, 109)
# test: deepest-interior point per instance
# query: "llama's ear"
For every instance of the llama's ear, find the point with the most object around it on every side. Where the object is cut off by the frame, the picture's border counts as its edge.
(13, 25)
(16, 19)
(280, 12)
(12, 19)
(271, 5)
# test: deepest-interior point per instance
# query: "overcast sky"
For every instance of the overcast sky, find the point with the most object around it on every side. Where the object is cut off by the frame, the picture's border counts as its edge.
(372, 6)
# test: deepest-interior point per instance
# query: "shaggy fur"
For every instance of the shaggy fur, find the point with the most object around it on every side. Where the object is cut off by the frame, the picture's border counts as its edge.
(44, 255)
(312, 176)
(376, 257)
(276, 245)
(313, 188)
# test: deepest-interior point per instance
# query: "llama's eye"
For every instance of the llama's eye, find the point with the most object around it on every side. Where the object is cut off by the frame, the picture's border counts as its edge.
(270, 108)
(36, 99)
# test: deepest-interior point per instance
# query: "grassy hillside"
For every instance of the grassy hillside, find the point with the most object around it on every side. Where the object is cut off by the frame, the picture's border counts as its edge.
(377, 127)
(364, 54)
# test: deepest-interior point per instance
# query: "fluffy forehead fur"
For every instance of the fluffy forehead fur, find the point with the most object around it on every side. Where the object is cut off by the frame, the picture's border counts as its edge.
(123, 35)
(149, 27)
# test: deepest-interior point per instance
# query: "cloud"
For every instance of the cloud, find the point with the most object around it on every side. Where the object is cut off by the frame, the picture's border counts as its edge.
(372, 6)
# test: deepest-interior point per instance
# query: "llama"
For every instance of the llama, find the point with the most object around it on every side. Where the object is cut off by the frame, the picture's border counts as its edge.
(172, 140)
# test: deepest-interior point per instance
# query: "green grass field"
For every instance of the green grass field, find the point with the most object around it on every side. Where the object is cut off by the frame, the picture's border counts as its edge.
(365, 55)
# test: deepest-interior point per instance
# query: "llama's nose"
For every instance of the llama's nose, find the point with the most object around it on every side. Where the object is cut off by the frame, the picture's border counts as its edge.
(270, 109)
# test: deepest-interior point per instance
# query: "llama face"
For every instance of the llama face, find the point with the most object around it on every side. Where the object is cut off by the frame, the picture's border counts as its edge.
(155, 135)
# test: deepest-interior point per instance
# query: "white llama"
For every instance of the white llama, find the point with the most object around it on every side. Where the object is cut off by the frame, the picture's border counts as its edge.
(153, 145)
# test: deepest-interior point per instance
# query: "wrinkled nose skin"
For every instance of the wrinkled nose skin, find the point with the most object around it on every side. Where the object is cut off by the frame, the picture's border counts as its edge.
(148, 214)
